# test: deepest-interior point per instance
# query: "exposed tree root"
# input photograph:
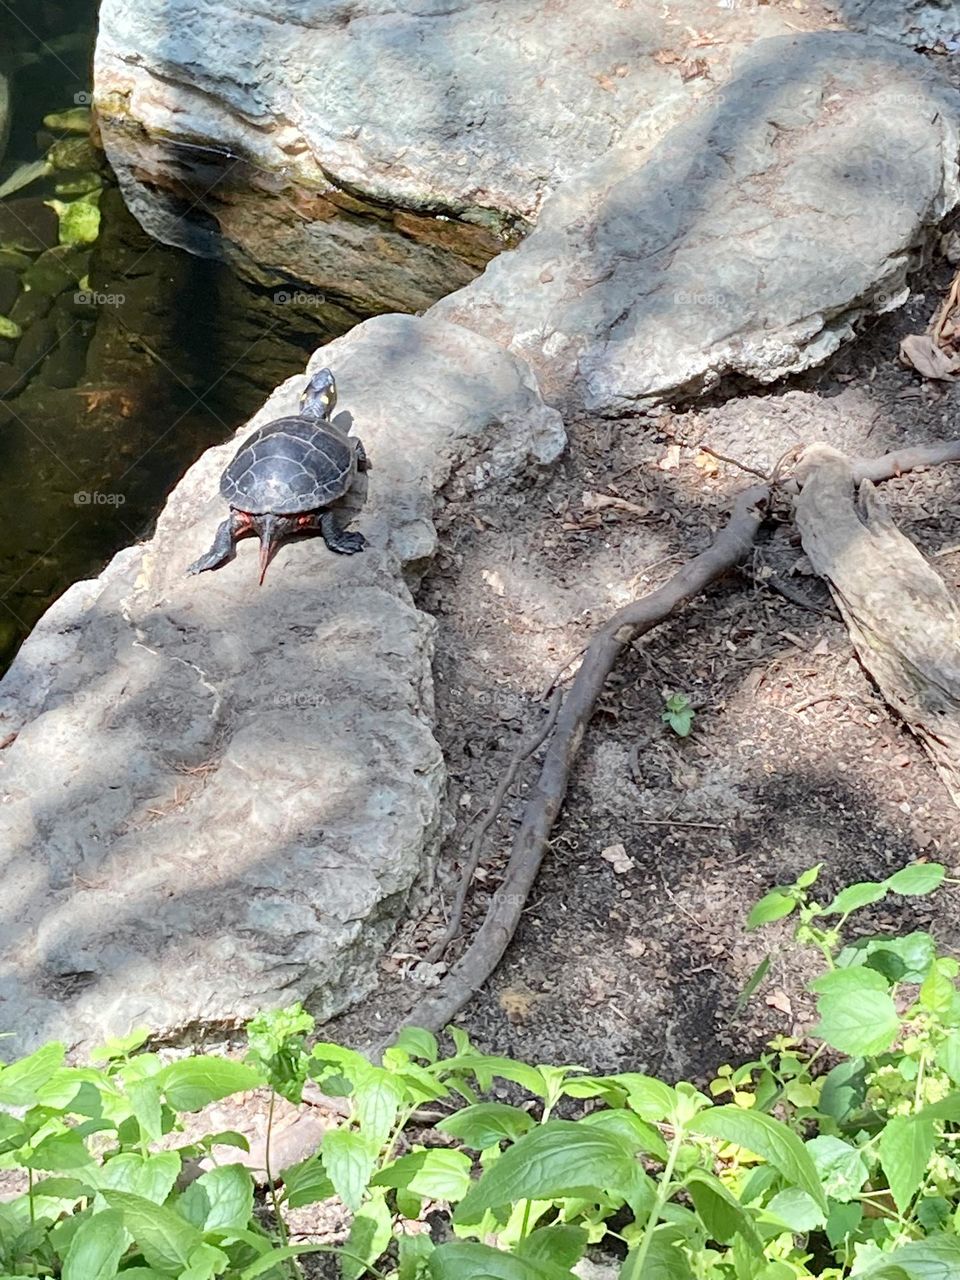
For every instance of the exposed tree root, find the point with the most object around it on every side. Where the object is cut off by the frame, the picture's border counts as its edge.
(730, 546)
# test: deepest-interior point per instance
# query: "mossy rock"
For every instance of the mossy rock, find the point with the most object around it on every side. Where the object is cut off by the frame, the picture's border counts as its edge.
(15, 259)
(38, 340)
(9, 289)
(11, 379)
(73, 120)
(81, 185)
(57, 269)
(79, 220)
(29, 308)
(72, 154)
(28, 224)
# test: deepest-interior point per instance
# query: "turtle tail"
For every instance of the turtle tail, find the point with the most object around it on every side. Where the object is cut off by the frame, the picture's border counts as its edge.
(269, 537)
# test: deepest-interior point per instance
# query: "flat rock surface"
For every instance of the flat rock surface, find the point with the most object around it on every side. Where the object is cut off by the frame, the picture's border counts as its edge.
(424, 133)
(220, 796)
(750, 241)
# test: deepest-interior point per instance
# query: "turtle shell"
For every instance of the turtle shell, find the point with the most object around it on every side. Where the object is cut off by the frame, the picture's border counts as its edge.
(289, 466)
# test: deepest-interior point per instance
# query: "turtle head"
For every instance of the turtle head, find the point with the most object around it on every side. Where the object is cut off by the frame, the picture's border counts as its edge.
(319, 396)
(270, 529)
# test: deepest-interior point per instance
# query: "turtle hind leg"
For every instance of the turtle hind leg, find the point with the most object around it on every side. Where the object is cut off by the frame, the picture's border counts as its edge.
(337, 537)
(224, 545)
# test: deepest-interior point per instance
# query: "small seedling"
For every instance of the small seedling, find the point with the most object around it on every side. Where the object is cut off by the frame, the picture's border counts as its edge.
(678, 714)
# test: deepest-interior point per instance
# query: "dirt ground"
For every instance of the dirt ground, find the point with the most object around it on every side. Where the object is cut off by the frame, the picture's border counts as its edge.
(793, 758)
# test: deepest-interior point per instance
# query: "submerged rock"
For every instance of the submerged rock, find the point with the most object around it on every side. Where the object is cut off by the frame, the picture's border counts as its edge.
(750, 240)
(221, 796)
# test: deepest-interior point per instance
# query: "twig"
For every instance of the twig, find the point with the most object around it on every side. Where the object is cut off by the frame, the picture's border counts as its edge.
(733, 462)
(439, 1006)
(525, 750)
(679, 822)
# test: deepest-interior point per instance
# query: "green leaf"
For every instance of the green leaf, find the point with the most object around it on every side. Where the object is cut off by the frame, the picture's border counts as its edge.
(906, 1145)
(843, 1220)
(638, 1133)
(906, 959)
(13, 1133)
(120, 1046)
(370, 1234)
(486, 1123)
(679, 714)
(439, 1174)
(560, 1244)
(938, 994)
(758, 975)
(465, 1260)
(722, 1214)
(809, 877)
(855, 896)
(560, 1158)
(849, 983)
(96, 1248)
(306, 1183)
(844, 1089)
(348, 1159)
(765, 1137)
(192, 1083)
(151, 1177)
(20, 1081)
(772, 906)
(165, 1239)
(796, 1210)
(418, 1043)
(948, 1056)
(145, 1100)
(917, 878)
(220, 1198)
(861, 1026)
(664, 1260)
(841, 1167)
(58, 1152)
(413, 1254)
(650, 1098)
(936, 1258)
(486, 1067)
(377, 1099)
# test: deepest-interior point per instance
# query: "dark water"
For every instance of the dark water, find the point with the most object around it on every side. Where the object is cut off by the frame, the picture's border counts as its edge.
(128, 359)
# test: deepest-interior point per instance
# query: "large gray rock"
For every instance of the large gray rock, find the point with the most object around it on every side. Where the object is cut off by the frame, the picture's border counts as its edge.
(220, 796)
(922, 23)
(389, 147)
(750, 241)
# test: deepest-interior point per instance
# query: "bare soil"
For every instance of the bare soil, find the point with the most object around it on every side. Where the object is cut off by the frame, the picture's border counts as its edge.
(793, 759)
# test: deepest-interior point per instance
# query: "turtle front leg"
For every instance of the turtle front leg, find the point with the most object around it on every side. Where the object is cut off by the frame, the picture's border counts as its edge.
(363, 462)
(336, 536)
(224, 544)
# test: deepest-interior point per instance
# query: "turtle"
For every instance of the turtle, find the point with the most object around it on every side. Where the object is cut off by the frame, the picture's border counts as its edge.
(294, 475)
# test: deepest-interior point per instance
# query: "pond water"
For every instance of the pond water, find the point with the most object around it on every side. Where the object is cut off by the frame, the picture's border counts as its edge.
(121, 360)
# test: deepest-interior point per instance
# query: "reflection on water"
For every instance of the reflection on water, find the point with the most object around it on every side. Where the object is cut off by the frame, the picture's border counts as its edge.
(121, 360)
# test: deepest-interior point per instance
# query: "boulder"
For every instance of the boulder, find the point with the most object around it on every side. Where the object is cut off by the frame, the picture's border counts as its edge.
(220, 796)
(384, 152)
(750, 240)
(921, 23)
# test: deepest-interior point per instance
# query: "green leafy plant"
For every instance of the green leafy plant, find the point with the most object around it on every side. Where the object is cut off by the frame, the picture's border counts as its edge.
(678, 713)
(833, 1154)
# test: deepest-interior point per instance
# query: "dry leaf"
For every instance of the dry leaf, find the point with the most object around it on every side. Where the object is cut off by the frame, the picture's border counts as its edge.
(671, 459)
(493, 580)
(780, 1000)
(517, 1002)
(636, 947)
(619, 859)
(598, 501)
(666, 56)
(690, 68)
(920, 351)
(706, 462)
